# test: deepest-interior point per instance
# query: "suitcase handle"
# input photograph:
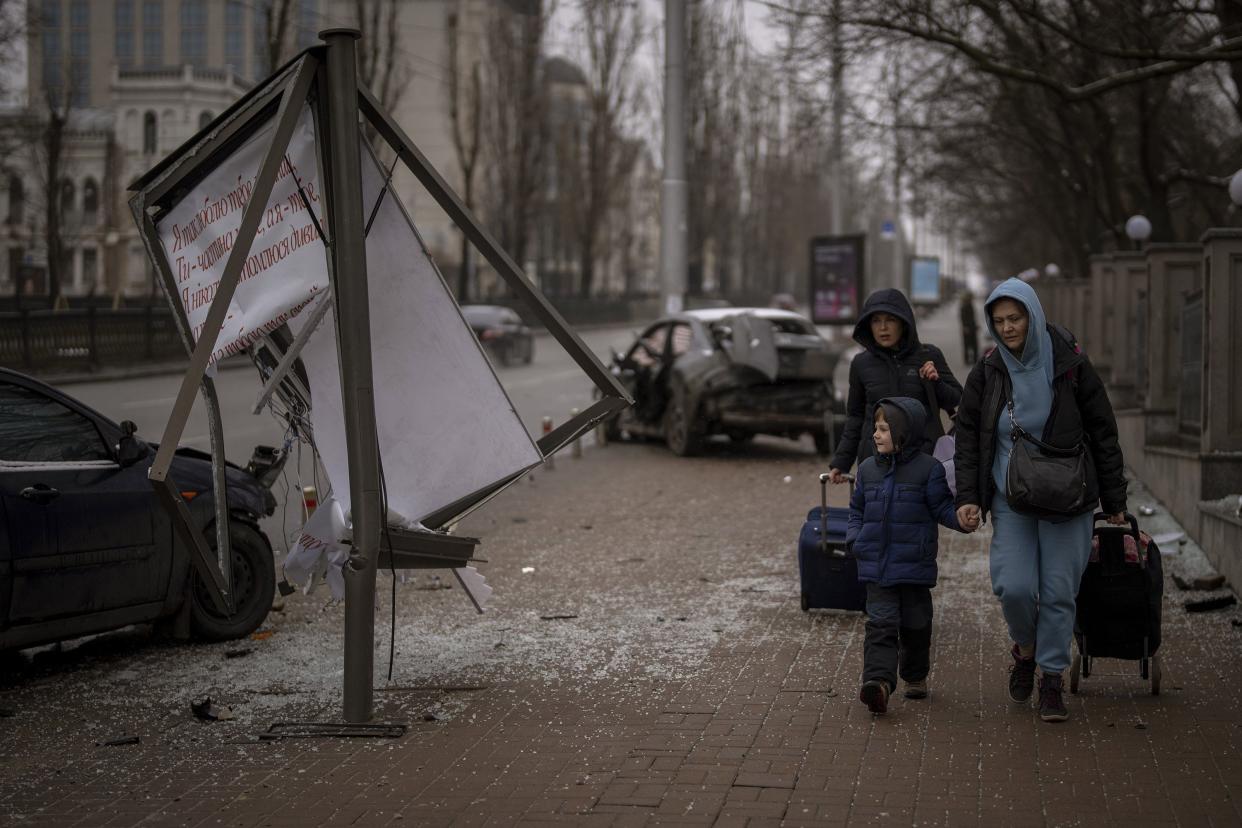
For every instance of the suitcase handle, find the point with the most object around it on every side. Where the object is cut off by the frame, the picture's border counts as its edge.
(1102, 516)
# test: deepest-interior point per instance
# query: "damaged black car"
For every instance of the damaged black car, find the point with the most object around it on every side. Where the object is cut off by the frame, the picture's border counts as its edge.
(86, 547)
(732, 371)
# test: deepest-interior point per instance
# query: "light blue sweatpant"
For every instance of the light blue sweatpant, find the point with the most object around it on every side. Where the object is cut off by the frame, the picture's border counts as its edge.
(1036, 568)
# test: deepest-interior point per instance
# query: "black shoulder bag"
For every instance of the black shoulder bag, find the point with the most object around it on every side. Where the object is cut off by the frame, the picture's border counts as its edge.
(1053, 484)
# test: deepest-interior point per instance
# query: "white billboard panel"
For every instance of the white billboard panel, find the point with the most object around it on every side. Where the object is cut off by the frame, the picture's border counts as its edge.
(446, 426)
(286, 266)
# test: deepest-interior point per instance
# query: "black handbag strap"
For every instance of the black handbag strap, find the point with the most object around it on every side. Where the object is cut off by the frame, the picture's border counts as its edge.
(1019, 432)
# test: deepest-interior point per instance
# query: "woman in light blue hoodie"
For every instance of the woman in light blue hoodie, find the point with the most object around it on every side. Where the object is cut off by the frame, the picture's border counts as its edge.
(1036, 564)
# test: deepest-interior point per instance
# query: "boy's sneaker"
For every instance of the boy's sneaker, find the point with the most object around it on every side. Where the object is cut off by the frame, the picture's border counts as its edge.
(916, 689)
(874, 694)
(1051, 701)
(1021, 677)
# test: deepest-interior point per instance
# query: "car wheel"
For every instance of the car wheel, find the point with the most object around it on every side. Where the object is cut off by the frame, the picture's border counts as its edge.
(254, 581)
(679, 430)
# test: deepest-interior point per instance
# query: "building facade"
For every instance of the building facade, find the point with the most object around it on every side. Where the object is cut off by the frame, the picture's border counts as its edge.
(136, 78)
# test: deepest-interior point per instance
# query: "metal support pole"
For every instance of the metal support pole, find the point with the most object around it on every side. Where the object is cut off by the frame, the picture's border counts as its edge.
(837, 166)
(349, 288)
(673, 189)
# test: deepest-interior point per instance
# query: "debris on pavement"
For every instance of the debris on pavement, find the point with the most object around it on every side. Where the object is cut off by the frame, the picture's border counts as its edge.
(1146, 511)
(238, 653)
(261, 635)
(207, 710)
(1202, 583)
(1210, 604)
(121, 740)
(1140, 725)
(436, 714)
(526, 570)
(557, 617)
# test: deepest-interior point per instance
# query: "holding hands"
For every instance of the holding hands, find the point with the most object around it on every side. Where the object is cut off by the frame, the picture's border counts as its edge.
(969, 517)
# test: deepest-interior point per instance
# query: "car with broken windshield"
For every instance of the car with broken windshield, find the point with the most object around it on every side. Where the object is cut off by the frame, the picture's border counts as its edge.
(737, 372)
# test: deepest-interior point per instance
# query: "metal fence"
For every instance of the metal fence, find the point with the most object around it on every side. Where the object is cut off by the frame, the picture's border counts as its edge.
(86, 338)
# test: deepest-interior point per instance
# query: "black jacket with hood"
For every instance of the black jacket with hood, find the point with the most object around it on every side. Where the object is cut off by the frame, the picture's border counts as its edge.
(1080, 410)
(878, 372)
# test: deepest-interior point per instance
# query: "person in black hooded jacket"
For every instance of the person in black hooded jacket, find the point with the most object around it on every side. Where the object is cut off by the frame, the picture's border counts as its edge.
(894, 364)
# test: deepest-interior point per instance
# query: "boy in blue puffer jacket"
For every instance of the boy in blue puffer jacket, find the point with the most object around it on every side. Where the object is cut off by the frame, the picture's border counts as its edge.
(900, 496)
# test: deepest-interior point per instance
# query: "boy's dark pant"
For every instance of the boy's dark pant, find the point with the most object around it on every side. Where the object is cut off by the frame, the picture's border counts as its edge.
(899, 620)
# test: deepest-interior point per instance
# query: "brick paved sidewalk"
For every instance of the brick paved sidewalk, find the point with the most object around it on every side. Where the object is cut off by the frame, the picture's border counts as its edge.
(744, 713)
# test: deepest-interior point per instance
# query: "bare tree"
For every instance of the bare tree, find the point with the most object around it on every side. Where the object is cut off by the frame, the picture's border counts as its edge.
(465, 103)
(602, 157)
(378, 65)
(277, 21)
(515, 126)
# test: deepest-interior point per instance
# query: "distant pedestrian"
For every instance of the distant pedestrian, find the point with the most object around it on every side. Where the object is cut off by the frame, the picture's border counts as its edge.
(899, 497)
(894, 364)
(1036, 379)
(970, 327)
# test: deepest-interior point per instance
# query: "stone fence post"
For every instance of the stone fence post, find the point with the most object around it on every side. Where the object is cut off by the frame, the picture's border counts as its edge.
(1173, 270)
(1222, 340)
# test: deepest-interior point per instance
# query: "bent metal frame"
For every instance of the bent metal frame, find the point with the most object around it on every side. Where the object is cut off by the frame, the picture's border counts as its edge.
(325, 77)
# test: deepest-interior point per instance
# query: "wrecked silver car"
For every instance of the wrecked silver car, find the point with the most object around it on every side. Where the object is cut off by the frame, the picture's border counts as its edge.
(733, 371)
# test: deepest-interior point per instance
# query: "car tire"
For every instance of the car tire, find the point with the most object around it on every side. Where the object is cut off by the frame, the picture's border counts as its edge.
(680, 434)
(254, 583)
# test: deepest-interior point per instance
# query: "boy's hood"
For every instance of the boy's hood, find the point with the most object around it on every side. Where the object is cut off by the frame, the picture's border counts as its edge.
(915, 414)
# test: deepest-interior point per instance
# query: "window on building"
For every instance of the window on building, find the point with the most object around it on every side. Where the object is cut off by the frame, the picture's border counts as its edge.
(152, 48)
(17, 199)
(123, 19)
(90, 202)
(152, 33)
(193, 32)
(152, 14)
(68, 194)
(150, 133)
(90, 268)
(16, 256)
(124, 48)
(80, 14)
(261, 9)
(52, 54)
(204, 118)
(235, 36)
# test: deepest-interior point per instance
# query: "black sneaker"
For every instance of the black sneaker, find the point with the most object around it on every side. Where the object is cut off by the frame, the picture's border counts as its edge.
(874, 694)
(1051, 702)
(1021, 677)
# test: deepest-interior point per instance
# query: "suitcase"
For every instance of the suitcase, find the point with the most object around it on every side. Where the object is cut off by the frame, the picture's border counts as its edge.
(1119, 599)
(828, 571)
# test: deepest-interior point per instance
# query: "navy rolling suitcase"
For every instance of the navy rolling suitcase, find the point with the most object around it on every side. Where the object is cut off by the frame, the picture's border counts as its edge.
(1119, 603)
(829, 571)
